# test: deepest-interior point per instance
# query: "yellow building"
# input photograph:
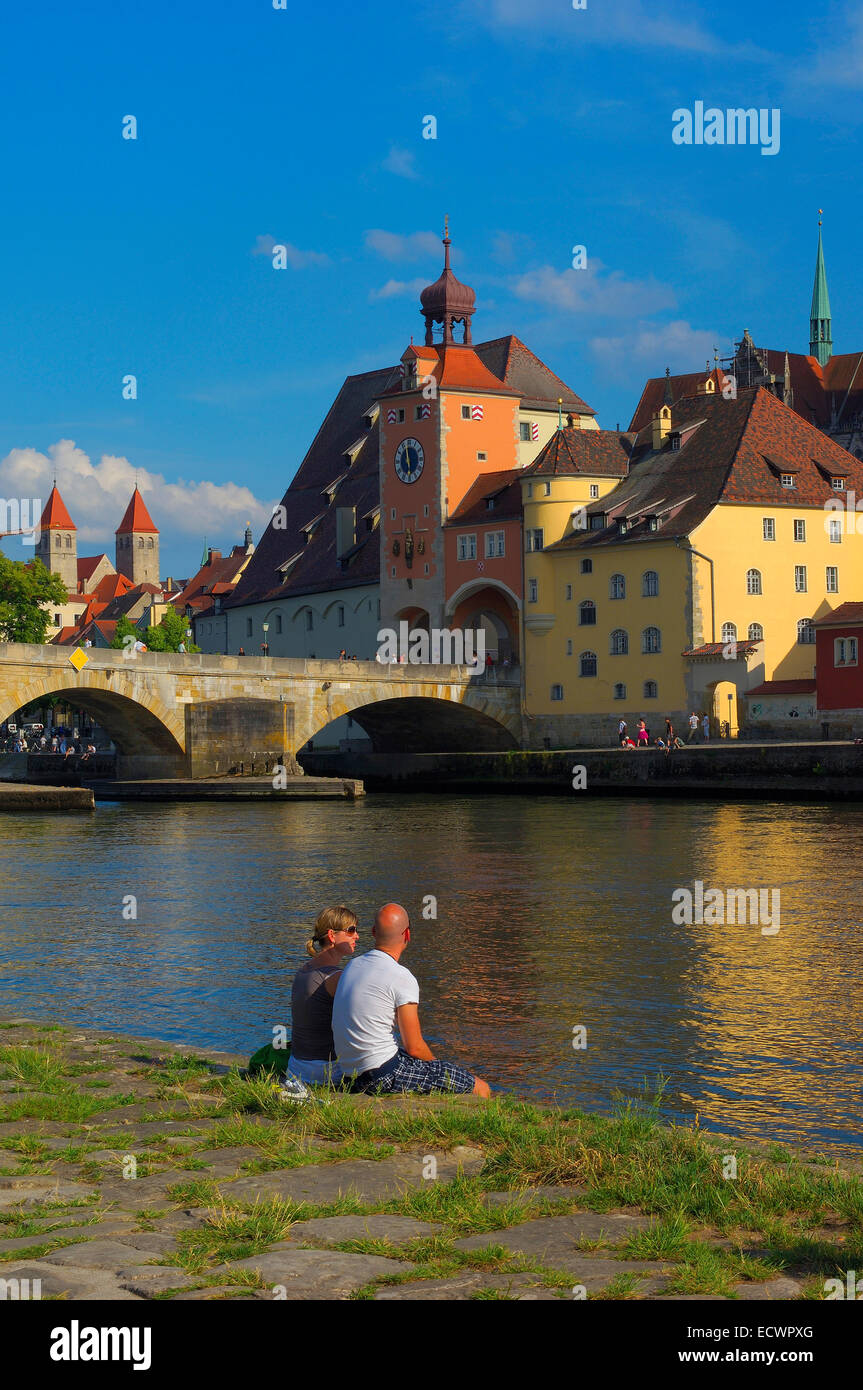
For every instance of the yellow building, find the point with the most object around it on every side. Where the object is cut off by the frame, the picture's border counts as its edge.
(669, 570)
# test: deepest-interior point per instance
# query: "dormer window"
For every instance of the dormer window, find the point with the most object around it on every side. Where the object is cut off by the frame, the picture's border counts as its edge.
(674, 439)
(597, 522)
(837, 484)
(490, 503)
(787, 479)
(653, 523)
(623, 526)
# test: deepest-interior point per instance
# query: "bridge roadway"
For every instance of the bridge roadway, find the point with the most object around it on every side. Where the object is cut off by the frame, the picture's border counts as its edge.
(199, 715)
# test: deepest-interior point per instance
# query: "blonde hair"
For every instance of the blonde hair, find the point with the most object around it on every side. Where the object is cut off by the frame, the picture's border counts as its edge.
(331, 919)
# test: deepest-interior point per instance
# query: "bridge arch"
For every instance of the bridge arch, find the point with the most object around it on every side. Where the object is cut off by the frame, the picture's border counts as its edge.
(432, 720)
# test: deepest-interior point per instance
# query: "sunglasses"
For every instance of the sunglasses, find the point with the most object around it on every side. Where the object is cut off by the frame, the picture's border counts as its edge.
(349, 931)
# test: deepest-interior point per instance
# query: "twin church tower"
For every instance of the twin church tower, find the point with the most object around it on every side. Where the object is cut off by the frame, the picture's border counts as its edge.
(137, 544)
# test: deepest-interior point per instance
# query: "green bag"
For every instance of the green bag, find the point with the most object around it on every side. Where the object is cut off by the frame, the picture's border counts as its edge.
(269, 1059)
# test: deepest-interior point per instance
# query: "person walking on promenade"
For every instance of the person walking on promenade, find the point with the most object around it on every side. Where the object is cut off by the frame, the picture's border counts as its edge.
(643, 735)
(669, 731)
(705, 728)
(375, 993)
(693, 727)
(241, 652)
(621, 732)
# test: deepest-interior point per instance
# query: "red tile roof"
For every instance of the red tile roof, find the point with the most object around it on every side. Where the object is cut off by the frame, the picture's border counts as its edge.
(55, 516)
(504, 486)
(599, 453)
(796, 687)
(653, 395)
(709, 650)
(137, 518)
(514, 364)
(87, 564)
(844, 615)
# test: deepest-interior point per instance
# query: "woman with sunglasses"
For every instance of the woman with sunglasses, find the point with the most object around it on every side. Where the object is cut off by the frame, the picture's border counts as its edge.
(313, 1056)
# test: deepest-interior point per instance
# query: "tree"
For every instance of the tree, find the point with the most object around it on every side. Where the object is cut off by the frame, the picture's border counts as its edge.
(28, 593)
(123, 630)
(170, 632)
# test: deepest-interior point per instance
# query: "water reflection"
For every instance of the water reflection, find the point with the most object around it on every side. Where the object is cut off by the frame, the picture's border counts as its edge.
(551, 913)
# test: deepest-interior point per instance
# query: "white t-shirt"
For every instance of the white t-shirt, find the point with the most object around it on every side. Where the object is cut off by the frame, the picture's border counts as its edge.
(370, 990)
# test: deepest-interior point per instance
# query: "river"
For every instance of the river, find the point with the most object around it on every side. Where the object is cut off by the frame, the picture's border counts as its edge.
(552, 915)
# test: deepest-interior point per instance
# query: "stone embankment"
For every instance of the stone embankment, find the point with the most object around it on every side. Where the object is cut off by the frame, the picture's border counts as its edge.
(18, 796)
(131, 1170)
(727, 768)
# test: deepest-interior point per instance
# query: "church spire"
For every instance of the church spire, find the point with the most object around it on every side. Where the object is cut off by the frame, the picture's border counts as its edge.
(820, 324)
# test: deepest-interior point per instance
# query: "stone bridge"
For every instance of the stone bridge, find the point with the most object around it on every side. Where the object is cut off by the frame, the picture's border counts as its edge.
(199, 715)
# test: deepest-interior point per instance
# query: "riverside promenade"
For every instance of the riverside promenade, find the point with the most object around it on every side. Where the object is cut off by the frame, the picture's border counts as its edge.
(131, 1170)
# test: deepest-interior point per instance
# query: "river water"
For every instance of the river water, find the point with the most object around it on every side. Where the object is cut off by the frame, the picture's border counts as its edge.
(552, 915)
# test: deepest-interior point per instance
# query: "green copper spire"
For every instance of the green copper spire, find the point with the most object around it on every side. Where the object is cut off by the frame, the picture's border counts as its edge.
(205, 555)
(820, 327)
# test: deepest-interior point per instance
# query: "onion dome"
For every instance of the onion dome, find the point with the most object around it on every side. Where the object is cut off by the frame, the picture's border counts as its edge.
(447, 302)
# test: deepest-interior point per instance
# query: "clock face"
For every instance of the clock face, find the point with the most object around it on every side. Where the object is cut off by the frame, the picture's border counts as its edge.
(409, 460)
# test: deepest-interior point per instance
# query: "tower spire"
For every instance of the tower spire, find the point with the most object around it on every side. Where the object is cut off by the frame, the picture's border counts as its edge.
(820, 321)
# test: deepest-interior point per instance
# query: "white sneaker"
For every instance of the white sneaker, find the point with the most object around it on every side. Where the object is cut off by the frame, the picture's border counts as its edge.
(292, 1088)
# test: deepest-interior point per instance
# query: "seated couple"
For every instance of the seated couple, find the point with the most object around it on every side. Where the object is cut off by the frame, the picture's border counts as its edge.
(343, 1018)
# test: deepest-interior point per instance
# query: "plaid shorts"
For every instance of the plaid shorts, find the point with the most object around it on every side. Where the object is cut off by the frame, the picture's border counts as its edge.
(405, 1073)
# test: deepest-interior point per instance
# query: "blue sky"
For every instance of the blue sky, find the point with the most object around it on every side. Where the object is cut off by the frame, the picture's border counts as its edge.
(305, 126)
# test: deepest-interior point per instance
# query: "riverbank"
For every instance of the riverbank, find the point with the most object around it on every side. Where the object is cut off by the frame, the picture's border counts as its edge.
(796, 771)
(21, 796)
(131, 1170)
(230, 789)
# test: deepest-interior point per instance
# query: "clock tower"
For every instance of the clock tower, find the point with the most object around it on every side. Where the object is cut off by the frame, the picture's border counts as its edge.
(444, 419)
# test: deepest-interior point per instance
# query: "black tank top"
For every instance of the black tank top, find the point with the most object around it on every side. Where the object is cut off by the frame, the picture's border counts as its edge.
(312, 1014)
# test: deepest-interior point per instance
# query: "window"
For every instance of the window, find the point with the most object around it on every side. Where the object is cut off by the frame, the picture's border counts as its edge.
(248, 627)
(756, 632)
(594, 491)
(392, 514)
(534, 538)
(651, 641)
(587, 664)
(425, 509)
(620, 691)
(547, 489)
(650, 584)
(768, 528)
(418, 412)
(340, 614)
(465, 412)
(568, 591)
(729, 632)
(799, 530)
(494, 544)
(653, 523)
(569, 646)
(310, 620)
(835, 531)
(800, 579)
(787, 479)
(393, 572)
(426, 569)
(753, 581)
(58, 619)
(617, 586)
(490, 504)
(524, 431)
(805, 632)
(651, 690)
(587, 567)
(587, 613)
(832, 577)
(467, 547)
(532, 594)
(278, 622)
(838, 485)
(619, 642)
(481, 457)
(597, 522)
(845, 651)
(530, 489)
(557, 692)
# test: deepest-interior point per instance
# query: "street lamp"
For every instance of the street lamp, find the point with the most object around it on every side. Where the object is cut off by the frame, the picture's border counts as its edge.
(265, 646)
(730, 697)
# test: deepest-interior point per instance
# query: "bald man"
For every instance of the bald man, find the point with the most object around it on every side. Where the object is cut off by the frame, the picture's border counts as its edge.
(375, 994)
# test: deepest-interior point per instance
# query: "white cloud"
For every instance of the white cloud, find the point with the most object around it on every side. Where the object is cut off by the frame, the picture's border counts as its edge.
(296, 259)
(418, 246)
(593, 291)
(400, 162)
(839, 61)
(609, 23)
(97, 494)
(656, 346)
(393, 288)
